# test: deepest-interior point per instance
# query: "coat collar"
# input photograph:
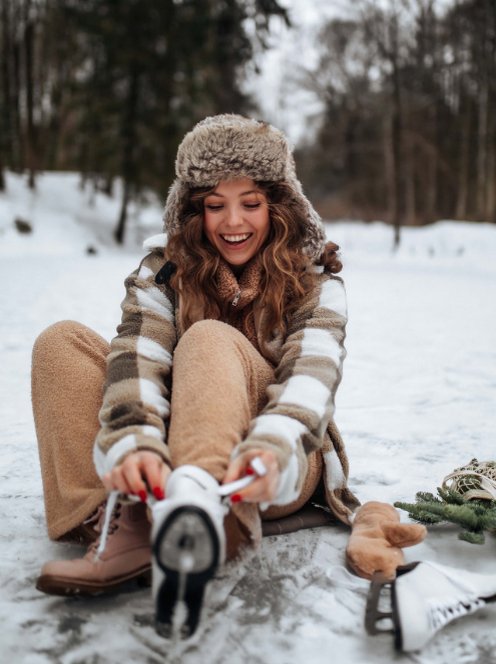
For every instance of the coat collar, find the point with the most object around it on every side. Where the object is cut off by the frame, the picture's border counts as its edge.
(244, 291)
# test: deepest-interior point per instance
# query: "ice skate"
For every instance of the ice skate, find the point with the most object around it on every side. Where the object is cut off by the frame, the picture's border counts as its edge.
(188, 545)
(424, 597)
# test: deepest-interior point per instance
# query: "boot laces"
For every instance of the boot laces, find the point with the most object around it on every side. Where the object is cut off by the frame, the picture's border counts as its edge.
(108, 522)
(443, 611)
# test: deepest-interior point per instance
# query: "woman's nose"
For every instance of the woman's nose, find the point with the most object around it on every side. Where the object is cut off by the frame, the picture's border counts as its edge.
(234, 216)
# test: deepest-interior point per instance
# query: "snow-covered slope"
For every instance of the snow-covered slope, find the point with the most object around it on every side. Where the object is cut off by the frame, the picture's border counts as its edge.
(67, 218)
(417, 400)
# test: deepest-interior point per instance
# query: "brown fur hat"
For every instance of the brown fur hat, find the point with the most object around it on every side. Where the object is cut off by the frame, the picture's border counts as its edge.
(230, 147)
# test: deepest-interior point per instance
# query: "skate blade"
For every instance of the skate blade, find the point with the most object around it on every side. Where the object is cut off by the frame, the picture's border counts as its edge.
(179, 606)
(188, 551)
(375, 618)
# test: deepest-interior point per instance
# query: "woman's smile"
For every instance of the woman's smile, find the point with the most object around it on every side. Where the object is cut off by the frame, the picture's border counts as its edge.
(236, 239)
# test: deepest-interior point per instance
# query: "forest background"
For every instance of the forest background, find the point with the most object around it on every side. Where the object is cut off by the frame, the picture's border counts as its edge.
(404, 130)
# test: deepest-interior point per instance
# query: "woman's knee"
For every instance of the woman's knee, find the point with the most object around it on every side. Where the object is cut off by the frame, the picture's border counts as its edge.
(206, 335)
(52, 340)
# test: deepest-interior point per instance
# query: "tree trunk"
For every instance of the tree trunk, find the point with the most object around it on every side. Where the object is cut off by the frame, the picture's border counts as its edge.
(389, 167)
(463, 168)
(482, 151)
(396, 149)
(349, 162)
(128, 135)
(6, 144)
(121, 225)
(108, 186)
(431, 171)
(491, 184)
(431, 187)
(410, 208)
(16, 89)
(30, 133)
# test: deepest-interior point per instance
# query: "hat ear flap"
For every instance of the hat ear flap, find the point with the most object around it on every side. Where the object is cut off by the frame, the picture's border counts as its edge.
(177, 199)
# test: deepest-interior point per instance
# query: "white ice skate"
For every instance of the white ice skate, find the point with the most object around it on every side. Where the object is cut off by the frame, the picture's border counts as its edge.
(425, 597)
(188, 545)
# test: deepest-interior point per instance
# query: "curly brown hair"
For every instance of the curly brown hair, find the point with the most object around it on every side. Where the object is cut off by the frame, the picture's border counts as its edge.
(285, 281)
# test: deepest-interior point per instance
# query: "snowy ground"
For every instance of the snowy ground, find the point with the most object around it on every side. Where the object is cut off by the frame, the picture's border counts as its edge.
(417, 400)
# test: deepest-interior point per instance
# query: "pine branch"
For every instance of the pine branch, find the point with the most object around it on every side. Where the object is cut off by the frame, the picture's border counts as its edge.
(488, 521)
(474, 516)
(451, 497)
(471, 538)
(463, 516)
(421, 513)
(425, 497)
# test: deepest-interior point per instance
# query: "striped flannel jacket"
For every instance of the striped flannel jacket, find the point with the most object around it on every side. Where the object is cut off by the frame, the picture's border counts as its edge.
(298, 418)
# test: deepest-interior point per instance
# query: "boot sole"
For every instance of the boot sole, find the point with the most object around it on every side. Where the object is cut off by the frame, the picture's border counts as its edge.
(193, 526)
(58, 585)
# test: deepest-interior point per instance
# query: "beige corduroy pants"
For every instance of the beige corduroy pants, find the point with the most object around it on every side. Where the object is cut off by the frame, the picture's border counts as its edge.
(219, 384)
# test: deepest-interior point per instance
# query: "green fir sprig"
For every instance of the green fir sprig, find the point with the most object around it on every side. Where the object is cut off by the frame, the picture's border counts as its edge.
(474, 516)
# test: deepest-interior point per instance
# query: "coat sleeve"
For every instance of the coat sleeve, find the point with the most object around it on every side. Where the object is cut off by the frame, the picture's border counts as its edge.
(301, 402)
(136, 392)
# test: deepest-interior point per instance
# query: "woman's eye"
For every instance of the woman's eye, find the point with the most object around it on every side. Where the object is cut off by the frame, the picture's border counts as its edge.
(252, 206)
(214, 207)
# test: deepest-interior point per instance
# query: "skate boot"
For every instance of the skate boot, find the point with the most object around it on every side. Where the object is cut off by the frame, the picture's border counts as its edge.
(188, 545)
(424, 598)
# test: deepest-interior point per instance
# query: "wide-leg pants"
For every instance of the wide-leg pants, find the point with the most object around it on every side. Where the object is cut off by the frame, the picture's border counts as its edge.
(219, 385)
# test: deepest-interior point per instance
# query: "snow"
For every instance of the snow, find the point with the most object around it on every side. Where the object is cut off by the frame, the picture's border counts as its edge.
(417, 400)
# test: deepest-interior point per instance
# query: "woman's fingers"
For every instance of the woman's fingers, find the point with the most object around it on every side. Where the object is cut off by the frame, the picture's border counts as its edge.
(152, 470)
(165, 473)
(264, 488)
(258, 492)
(235, 470)
(119, 481)
(130, 476)
(130, 470)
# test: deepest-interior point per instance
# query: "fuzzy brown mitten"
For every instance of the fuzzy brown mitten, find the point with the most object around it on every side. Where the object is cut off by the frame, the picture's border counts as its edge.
(377, 538)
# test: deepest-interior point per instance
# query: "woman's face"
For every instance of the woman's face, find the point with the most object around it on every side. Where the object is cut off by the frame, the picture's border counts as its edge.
(237, 220)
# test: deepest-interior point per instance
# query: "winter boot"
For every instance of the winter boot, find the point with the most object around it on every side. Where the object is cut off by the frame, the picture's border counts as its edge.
(188, 545)
(126, 557)
(425, 597)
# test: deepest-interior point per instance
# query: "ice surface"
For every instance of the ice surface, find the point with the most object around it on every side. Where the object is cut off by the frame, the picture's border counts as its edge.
(418, 399)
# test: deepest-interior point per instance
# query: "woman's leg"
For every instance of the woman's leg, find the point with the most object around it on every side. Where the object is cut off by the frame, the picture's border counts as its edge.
(68, 373)
(219, 384)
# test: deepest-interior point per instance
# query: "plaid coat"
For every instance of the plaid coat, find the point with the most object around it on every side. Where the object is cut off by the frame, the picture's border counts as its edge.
(298, 418)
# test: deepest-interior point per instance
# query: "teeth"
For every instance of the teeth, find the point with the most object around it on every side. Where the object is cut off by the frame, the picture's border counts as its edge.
(236, 238)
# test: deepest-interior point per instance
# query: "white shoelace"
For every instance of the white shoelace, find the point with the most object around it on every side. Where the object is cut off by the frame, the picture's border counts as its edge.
(443, 611)
(111, 501)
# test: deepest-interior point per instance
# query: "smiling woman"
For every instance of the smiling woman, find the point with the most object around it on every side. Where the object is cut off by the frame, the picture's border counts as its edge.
(224, 370)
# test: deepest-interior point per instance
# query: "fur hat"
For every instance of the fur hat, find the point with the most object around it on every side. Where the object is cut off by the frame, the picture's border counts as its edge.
(231, 147)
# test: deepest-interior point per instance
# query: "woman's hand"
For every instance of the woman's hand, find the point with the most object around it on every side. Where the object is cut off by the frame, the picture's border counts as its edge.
(261, 490)
(128, 477)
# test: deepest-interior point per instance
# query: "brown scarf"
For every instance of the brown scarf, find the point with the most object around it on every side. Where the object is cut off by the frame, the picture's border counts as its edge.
(242, 293)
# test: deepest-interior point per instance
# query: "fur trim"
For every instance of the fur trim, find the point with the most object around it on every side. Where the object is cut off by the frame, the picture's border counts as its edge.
(231, 147)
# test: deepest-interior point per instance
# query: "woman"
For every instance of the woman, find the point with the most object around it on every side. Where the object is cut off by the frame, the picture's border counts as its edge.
(230, 348)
